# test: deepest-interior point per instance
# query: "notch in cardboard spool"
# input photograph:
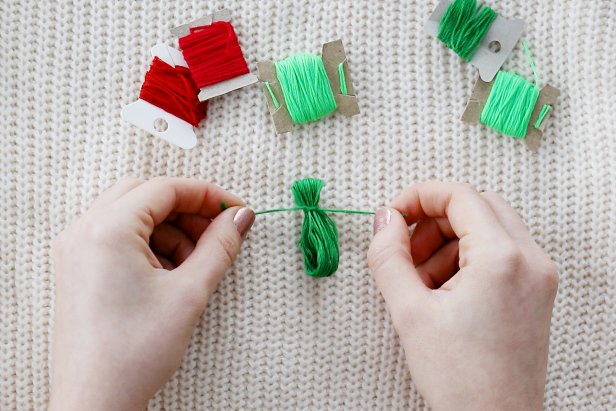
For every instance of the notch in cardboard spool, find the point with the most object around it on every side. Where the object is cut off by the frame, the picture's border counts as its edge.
(144, 115)
(222, 87)
(333, 55)
(496, 45)
(477, 101)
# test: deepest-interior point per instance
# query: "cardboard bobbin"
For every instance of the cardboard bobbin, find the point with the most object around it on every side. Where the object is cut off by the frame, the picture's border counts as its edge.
(144, 115)
(225, 86)
(477, 101)
(332, 54)
(496, 45)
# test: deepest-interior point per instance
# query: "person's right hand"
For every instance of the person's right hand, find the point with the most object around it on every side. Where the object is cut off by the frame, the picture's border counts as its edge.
(470, 294)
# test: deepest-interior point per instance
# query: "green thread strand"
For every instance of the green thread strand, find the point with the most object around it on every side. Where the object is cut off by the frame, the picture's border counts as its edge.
(463, 25)
(510, 104)
(342, 77)
(327, 210)
(271, 93)
(531, 63)
(319, 238)
(544, 112)
(306, 88)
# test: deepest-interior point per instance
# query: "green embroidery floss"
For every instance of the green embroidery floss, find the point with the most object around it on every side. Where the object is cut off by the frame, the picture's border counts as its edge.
(511, 102)
(319, 237)
(341, 76)
(463, 25)
(306, 87)
(544, 112)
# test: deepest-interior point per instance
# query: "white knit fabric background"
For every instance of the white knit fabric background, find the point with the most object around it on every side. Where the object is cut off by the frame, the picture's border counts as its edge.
(271, 337)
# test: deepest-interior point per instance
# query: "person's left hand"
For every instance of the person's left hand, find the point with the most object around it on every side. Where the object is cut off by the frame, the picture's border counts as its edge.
(133, 276)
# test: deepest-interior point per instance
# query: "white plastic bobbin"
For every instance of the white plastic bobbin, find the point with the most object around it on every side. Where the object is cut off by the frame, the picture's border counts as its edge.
(146, 115)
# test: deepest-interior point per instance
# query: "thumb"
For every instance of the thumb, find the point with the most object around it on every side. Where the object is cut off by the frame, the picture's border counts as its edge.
(390, 261)
(216, 249)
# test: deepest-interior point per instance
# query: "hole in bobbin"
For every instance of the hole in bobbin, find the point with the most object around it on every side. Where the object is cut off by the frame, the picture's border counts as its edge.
(160, 125)
(494, 46)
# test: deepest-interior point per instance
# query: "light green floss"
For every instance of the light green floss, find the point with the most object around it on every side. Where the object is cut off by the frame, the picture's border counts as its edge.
(463, 25)
(306, 88)
(342, 77)
(511, 102)
(544, 112)
(271, 93)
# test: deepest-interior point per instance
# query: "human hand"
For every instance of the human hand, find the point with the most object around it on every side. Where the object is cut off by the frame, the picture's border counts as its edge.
(133, 276)
(470, 294)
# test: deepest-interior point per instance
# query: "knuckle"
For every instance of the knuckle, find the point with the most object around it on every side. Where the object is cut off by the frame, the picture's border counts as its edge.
(549, 277)
(98, 230)
(509, 258)
(403, 317)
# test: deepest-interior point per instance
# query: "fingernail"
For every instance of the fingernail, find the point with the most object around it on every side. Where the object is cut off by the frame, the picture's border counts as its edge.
(243, 220)
(381, 219)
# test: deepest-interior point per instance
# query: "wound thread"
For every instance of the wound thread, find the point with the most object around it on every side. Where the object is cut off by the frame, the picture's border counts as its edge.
(342, 78)
(173, 90)
(463, 25)
(213, 53)
(306, 88)
(544, 112)
(271, 93)
(511, 102)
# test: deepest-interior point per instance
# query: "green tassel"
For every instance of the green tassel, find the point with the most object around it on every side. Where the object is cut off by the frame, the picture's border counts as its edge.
(319, 238)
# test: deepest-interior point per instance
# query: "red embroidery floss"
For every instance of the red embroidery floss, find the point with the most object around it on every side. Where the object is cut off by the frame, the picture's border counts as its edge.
(173, 90)
(213, 53)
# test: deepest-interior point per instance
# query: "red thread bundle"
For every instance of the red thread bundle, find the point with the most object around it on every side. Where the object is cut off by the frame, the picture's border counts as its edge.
(173, 90)
(213, 53)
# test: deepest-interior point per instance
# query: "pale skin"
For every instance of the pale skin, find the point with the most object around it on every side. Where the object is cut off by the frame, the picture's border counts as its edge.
(469, 291)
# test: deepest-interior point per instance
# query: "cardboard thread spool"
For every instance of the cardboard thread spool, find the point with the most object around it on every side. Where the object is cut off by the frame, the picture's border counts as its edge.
(332, 54)
(477, 101)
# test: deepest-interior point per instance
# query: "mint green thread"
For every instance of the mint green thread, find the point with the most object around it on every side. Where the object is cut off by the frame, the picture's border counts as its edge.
(511, 102)
(342, 77)
(531, 62)
(463, 25)
(306, 88)
(544, 112)
(271, 93)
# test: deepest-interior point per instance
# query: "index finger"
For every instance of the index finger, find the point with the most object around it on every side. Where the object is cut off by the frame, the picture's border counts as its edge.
(462, 205)
(155, 199)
